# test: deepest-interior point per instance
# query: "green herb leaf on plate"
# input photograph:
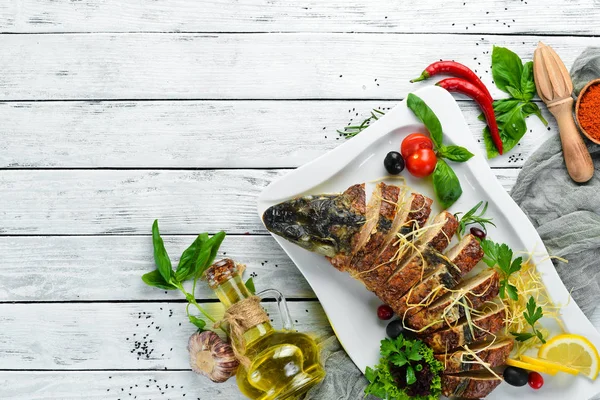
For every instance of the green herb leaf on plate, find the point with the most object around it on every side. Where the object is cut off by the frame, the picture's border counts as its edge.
(410, 375)
(427, 117)
(470, 218)
(446, 184)
(163, 262)
(531, 315)
(455, 153)
(521, 337)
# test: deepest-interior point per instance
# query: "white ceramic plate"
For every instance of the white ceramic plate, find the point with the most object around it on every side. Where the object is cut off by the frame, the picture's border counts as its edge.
(350, 307)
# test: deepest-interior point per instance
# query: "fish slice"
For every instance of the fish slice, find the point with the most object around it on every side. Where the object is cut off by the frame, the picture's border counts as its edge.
(554, 86)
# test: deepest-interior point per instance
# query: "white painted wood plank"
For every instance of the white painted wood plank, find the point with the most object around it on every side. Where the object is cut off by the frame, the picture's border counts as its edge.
(101, 385)
(457, 16)
(74, 202)
(189, 134)
(62, 336)
(242, 66)
(63, 268)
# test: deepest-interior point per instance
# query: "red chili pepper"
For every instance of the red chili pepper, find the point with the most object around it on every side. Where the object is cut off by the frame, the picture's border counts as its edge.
(465, 87)
(455, 69)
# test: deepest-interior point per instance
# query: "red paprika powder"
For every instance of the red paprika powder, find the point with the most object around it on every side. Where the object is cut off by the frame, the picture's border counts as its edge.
(588, 114)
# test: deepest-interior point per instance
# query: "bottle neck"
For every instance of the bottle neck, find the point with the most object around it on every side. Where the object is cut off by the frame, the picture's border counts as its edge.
(233, 291)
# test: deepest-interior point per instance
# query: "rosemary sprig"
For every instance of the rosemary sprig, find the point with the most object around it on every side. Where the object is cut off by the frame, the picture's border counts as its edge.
(471, 218)
(353, 130)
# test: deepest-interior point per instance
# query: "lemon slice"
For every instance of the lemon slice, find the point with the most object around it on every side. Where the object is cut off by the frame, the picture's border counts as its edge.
(573, 351)
(550, 364)
(531, 367)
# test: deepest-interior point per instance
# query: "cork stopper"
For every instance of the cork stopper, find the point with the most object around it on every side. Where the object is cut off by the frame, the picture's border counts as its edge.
(220, 272)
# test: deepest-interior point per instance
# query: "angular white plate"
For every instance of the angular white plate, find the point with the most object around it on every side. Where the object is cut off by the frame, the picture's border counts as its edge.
(350, 307)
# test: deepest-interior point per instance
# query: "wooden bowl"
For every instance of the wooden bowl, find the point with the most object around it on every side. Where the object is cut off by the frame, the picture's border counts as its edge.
(583, 91)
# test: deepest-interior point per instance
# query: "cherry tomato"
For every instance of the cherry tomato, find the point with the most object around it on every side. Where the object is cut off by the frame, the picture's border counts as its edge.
(536, 381)
(385, 312)
(421, 163)
(414, 142)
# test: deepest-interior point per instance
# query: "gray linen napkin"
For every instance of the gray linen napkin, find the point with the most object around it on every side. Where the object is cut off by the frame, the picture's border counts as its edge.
(566, 215)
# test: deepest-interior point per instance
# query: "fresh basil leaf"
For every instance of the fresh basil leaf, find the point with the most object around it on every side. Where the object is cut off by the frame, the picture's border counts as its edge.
(511, 127)
(507, 68)
(155, 279)
(531, 108)
(505, 105)
(208, 252)
(200, 323)
(502, 106)
(250, 285)
(527, 81)
(512, 292)
(427, 117)
(514, 92)
(410, 375)
(455, 153)
(187, 262)
(163, 263)
(445, 184)
(513, 123)
(521, 337)
(214, 243)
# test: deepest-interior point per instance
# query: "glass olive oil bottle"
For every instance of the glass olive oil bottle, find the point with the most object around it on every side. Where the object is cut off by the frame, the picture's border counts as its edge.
(283, 363)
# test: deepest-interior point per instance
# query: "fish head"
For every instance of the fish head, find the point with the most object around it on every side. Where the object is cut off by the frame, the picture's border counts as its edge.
(301, 221)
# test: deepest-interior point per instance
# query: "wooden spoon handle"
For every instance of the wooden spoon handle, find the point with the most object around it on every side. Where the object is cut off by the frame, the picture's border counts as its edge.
(577, 157)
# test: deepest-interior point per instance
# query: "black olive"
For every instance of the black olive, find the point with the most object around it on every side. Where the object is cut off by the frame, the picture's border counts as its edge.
(516, 376)
(394, 163)
(478, 233)
(395, 329)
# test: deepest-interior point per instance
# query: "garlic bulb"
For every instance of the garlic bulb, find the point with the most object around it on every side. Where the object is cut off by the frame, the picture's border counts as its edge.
(211, 356)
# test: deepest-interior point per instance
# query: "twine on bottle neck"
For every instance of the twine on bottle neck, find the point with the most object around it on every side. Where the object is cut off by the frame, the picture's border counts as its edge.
(240, 317)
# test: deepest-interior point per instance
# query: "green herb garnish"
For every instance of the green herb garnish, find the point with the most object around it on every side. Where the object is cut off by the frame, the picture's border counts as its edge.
(411, 354)
(192, 264)
(515, 78)
(501, 255)
(445, 182)
(531, 315)
(470, 218)
(353, 130)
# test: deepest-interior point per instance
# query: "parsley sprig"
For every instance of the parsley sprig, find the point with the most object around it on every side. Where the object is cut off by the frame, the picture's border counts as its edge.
(501, 255)
(471, 218)
(401, 353)
(531, 315)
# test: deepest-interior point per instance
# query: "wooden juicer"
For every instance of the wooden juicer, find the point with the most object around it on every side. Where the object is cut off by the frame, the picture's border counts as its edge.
(554, 86)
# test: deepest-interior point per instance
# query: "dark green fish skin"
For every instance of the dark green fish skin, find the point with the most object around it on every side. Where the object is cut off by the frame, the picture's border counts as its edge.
(324, 224)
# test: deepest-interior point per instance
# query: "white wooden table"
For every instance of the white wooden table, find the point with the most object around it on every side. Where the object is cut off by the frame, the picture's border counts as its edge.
(117, 112)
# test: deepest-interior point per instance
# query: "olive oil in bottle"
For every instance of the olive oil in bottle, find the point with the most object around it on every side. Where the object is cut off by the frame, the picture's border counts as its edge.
(283, 363)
